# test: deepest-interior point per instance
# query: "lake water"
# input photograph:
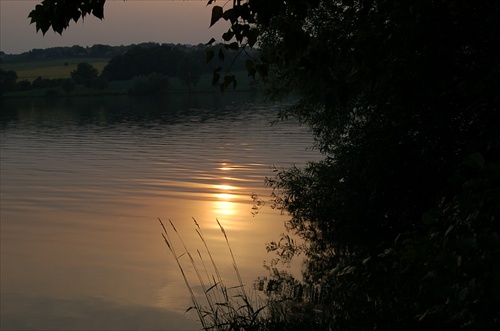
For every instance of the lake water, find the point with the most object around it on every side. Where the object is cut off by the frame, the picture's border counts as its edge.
(84, 181)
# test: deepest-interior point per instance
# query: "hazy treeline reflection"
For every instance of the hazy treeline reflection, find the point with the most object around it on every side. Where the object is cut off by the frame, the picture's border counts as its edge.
(108, 110)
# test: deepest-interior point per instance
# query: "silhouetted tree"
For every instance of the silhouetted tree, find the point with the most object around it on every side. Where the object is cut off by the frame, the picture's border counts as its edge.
(403, 101)
(85, 74)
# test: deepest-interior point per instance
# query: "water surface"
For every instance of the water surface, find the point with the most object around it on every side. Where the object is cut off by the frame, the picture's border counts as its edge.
(84, 181)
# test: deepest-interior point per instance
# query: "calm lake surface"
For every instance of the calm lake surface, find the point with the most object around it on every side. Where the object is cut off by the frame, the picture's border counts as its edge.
(84, 181)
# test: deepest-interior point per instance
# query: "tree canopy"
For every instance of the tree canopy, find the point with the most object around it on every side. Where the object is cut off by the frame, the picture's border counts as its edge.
(162, 59)
(401, 218)
(400, 221)
(85, 74)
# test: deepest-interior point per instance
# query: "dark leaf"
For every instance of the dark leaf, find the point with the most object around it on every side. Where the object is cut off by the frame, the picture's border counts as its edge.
(43, 25)
(228, 80)
(216, 76)
(249, 65)
(228, 35)
(98, 11)
(230, 15)
(209, 55)
(252, 36)
(217, 13)
(234, 46)
(58, 26)
(76, 16)
(221, 54)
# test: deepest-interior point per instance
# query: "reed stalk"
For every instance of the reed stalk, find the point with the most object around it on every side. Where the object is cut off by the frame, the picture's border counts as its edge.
(226, 308)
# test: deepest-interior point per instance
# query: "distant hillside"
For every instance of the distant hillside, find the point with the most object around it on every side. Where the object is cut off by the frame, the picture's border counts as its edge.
(79, 52)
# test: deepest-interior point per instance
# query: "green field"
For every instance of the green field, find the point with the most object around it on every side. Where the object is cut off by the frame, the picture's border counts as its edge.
(51, 69)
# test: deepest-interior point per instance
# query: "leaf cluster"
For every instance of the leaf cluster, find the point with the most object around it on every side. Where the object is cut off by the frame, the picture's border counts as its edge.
(57, 14)
(243, 34)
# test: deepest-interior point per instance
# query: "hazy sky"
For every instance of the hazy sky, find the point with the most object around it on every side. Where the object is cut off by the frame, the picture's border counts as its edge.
(125, 22)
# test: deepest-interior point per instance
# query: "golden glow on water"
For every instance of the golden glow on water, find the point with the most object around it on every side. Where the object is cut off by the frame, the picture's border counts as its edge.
(225, 196)
(225, 203)
(224, 187)
(224, 208)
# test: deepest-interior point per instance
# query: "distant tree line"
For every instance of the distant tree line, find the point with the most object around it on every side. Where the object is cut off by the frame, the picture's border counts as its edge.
(137, 61)
(149, 65)
(170, 60)
(76, 51)
(109, 52)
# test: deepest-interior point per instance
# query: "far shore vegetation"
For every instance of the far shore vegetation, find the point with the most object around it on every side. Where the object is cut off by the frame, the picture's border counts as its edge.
(107, 70)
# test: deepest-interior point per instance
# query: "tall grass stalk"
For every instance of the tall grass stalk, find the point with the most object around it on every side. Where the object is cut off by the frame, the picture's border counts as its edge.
(226, 308)
(186, 281)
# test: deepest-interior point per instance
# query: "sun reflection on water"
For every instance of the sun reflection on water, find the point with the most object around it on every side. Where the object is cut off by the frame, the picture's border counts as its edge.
(225, 196)
(224, 200)
(224, 208)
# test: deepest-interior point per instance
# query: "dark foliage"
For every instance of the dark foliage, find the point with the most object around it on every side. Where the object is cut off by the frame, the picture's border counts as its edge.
(85, 74)
(59, 13)
(153, 84)
(166, 59)
(23, 85)
(189, 71)
(68, 85)
(161, 59)
(43, 83)
(8, 80)
(402, 100)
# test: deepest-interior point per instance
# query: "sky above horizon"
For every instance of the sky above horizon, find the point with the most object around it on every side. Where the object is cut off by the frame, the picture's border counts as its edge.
(125, 22)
